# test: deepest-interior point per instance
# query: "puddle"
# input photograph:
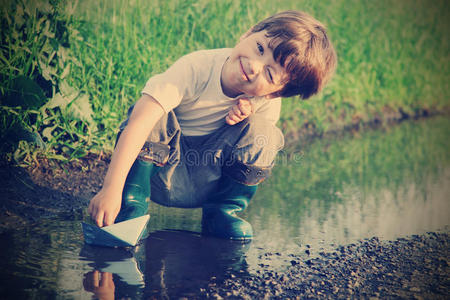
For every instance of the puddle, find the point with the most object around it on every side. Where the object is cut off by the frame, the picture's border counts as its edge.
(388, 183)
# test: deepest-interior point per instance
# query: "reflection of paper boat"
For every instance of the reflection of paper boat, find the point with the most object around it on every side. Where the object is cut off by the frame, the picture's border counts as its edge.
(123, 234)
(119, 261)
(127, 269)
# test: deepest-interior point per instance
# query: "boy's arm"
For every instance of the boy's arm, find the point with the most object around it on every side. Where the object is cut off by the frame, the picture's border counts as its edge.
(105, 206)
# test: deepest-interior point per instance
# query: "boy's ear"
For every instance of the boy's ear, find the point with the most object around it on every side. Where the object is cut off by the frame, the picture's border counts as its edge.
(246, 34)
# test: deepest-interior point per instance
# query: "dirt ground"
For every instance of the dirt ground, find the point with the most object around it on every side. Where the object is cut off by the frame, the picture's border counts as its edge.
(47, 189)
(415, 267)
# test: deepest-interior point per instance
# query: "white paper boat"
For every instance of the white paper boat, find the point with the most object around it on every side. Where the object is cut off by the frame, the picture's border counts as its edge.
(122, 234)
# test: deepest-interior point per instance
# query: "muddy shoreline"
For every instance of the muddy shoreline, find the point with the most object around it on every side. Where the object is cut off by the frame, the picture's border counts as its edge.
(47, 190)
(416, 267)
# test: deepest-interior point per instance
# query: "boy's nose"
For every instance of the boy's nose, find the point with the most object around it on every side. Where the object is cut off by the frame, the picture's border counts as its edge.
(255, 67)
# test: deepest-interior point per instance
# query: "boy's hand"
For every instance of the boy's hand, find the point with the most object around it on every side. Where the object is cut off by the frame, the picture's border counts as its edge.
(240, 111)
(105, 207)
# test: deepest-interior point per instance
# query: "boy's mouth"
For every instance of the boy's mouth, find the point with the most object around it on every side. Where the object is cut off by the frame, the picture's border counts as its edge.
(243, 71)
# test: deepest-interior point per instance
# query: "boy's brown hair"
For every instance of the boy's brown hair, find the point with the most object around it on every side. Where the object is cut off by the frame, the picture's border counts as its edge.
(300, 44)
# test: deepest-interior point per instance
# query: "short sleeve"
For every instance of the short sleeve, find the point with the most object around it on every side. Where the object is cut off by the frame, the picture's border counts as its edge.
(178, 82)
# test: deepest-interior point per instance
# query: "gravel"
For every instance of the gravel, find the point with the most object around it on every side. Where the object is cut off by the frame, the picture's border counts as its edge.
(416, 267)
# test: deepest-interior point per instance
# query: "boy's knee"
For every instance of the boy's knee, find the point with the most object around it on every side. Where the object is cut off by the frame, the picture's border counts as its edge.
(259, 143)
(264, 133)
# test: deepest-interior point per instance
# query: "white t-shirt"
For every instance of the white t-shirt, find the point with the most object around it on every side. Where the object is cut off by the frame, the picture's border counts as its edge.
(191, 87)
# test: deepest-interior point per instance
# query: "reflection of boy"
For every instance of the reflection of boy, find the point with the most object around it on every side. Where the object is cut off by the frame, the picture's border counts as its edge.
(100, 283)
(206, 126)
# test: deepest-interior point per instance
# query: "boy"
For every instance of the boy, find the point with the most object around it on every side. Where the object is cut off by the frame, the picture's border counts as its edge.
(203, 133)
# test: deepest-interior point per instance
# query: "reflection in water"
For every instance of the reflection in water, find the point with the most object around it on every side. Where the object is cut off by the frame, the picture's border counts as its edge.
(101, 284)
(385, 213)
(172, 263)
(111, 267)
(178, 263)
(388, 183)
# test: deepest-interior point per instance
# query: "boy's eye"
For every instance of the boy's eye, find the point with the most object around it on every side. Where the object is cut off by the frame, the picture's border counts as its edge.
(270, 76)
(260, 48)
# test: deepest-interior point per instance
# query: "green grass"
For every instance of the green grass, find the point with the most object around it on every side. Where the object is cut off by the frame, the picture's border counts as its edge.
(91, 62)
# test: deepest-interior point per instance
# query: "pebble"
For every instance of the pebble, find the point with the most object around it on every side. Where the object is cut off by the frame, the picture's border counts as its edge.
(216, 296)
(355, 271)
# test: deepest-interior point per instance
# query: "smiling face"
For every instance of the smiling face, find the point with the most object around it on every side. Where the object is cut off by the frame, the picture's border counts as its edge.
(251, 68)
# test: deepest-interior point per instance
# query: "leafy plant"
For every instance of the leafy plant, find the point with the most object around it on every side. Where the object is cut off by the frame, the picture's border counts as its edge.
(36, 61)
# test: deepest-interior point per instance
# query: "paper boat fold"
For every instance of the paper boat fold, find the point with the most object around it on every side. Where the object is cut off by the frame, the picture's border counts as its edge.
(123, 234)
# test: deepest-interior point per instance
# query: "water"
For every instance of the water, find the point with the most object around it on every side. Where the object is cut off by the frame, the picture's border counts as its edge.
(389, 183)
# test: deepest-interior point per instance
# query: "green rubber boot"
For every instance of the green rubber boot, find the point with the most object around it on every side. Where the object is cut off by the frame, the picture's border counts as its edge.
(136, 192)
(219, 213)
